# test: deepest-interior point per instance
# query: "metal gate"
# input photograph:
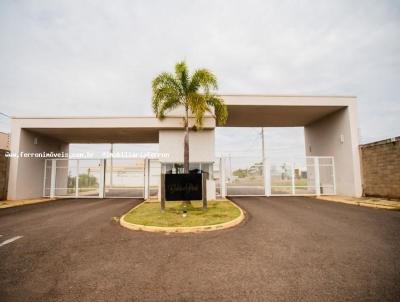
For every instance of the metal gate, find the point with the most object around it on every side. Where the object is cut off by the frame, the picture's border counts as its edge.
(73, 178)
(252, 176)
(124, 178)
(244, 176)
(233, 176)
(154, 179)
(98, 178)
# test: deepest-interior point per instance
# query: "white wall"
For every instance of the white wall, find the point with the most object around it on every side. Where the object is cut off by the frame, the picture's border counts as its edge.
(323, 138)
(4, 141)
(26, 174)
(201, 145)
(201, 149)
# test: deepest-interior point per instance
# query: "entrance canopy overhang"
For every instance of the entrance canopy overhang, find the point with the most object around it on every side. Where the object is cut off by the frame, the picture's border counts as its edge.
(281, 111)
(121, 129)
(244, 111)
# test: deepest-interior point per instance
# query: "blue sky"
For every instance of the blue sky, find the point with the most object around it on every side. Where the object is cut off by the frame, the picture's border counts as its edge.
(99, 57)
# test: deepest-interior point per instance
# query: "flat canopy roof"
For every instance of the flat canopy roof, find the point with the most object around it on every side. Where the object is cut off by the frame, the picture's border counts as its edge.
(122, 129)
(244, 111)
(101, 135)
(281, 111)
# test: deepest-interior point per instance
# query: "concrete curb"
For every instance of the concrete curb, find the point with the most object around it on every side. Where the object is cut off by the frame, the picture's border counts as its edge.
(363, 204)
(194, 229)
(18, 203)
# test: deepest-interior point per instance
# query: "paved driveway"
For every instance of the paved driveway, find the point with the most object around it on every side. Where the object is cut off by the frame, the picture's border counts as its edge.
(289, 249)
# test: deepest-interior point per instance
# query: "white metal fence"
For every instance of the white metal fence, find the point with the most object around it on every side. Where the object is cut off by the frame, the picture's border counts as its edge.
(237, 176)
(233, 176)
(94, 178)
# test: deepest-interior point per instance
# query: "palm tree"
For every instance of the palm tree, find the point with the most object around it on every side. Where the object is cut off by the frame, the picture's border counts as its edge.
(192, 92)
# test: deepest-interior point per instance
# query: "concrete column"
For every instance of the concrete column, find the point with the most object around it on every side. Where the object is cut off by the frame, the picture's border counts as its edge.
(337, 135)
(26, 174)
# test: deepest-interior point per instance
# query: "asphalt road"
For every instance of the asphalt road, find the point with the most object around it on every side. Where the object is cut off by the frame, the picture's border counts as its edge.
(289, 249)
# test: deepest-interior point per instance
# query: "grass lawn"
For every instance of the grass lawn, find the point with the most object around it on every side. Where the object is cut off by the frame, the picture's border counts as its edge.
(149, 214)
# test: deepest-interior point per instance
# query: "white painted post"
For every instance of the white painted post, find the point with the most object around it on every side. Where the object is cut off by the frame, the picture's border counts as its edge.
(111, 163)
(160, 180)
(77, 179)
(293, 181)
(317, 181)
(267, 177)
(222, 177)
(334, 175)
(44, 178)
(266, 168)
(146, 178)
(53, 178)
(102, 178)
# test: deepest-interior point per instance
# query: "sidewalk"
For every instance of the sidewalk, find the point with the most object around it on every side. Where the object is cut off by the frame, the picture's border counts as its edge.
(372, 202)
(15, 203)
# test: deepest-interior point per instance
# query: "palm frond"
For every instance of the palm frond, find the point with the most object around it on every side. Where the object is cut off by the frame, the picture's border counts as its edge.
(203, 79)
(193, 93)
(168, 105)
(166, 79)
(182, 75)
(198, 106)
(166, 94)
(220, 109)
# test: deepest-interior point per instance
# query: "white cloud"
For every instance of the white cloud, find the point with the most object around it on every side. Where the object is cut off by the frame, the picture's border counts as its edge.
(98, 58)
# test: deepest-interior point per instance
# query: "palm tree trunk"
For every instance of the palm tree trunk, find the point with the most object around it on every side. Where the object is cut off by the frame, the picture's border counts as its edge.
(186, 151)
(186, 145)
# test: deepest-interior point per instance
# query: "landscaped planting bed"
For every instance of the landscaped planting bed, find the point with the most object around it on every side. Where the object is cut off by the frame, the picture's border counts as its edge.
(150, 214)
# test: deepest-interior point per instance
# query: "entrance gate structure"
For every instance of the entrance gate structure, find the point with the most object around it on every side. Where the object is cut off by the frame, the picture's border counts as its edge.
(330, 129)
(251, 176)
